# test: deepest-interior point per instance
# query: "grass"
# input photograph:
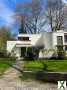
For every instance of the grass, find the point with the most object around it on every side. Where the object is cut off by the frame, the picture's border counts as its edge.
(34, 66)
(3, 67)
(43, 65)
(49, 65)
(5, 64)
(56, 66)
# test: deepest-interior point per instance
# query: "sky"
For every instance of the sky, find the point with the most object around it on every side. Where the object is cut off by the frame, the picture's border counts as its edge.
(7, 8)
(65, 1)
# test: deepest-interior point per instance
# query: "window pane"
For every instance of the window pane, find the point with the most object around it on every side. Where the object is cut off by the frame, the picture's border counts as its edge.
(65, 38)
(23, 38)
(59, 40)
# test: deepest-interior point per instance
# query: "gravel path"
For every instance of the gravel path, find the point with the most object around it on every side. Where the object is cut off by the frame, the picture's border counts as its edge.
(10, 81)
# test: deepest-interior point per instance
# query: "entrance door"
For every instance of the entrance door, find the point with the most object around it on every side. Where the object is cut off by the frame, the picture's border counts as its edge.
(60, 43)
(60, 46)
(23, 50)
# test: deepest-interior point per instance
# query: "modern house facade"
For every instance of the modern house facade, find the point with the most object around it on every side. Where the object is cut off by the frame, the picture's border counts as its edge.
(51, 41)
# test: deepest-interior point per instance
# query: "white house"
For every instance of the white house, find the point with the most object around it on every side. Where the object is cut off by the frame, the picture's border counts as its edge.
(50, 40)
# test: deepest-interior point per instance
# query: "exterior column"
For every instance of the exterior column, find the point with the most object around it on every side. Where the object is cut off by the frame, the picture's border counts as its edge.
(64, 48)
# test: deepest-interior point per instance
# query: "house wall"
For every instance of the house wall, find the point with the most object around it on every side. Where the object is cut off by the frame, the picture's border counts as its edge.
(36, 40)
(48, 39)
(33, 37)
(40, 39)
(17, 52)
(11, 48)
(10, 45)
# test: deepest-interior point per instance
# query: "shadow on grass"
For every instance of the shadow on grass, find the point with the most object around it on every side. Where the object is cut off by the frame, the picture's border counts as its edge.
(41, 76)
(38, 76)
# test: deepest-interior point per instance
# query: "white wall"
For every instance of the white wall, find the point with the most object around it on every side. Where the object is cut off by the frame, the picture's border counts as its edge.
(17, 51)
(11, 48)
(10, 45)
(48, 40)
(33, 37)
(40, 39)
(36, 39)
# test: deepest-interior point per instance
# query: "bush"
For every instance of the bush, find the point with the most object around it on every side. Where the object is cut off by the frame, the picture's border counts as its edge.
(61, 54)
(1, 54)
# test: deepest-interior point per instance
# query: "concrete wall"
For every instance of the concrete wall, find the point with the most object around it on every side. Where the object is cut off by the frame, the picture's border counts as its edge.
(17, 51)
(11, 48)
(33, 37)
(43, 39)
(10, 45)
(46, 39)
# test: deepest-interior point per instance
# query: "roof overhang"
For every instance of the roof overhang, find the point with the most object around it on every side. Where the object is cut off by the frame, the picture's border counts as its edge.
(23, 45)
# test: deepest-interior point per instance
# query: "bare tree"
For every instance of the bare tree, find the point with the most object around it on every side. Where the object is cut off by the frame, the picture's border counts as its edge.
(33, 17)
(5, 34)
(56, 15)
(32, 14)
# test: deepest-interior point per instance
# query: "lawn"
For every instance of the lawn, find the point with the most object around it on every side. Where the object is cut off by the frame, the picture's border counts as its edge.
(47, 65)
(57, 66)
(5, 64)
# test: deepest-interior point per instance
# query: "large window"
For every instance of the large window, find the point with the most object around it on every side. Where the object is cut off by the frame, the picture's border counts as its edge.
(59, 40)
(65, 38)
(66, 48)
(23, 38)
